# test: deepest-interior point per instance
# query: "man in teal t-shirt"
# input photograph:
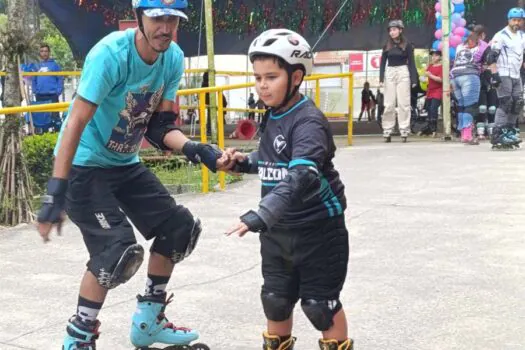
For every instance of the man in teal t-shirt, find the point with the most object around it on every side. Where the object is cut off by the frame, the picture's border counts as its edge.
(126, 92)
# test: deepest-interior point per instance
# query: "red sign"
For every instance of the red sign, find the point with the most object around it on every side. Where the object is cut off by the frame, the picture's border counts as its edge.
(375, 61)
(356, 62)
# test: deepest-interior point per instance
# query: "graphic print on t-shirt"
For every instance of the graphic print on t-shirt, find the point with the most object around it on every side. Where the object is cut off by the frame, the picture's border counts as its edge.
(129, 131)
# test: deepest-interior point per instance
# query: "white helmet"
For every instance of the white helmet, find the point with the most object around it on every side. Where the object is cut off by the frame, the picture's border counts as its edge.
(286, 44)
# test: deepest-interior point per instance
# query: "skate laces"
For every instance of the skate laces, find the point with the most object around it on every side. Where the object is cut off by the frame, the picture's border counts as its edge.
(169, 325)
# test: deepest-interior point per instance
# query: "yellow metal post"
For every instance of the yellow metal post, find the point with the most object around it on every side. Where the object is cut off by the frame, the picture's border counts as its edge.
(318, 93)
(350, 108)
(220, 134)
(202, 119)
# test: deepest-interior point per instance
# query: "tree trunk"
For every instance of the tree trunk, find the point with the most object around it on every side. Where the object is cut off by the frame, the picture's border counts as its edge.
(15, 184)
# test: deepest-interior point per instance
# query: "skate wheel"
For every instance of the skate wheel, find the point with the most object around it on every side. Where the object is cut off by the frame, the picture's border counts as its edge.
(200, 346)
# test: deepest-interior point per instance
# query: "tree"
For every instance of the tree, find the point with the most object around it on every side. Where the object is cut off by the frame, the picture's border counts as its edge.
(15, 183)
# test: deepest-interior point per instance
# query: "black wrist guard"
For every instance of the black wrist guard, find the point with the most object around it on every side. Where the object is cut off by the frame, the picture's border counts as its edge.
(253, 221)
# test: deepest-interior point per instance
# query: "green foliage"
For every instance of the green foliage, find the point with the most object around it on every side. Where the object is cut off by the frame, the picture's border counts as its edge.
(60, 49)
(3, 22)
(175, 172)
(38, 152)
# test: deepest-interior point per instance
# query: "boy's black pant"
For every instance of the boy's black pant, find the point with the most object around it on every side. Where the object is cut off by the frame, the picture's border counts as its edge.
(433, 113)
(100, 201)
(307, 263)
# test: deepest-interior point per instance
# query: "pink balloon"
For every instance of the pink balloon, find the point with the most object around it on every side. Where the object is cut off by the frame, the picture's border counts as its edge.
(438, 7)
(455, 40)
(453, 26)
(440, 46)
(459, 31)
(463, 23)
(438, 34)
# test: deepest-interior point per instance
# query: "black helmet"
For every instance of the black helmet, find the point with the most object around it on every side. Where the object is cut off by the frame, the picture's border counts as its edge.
(397, 23)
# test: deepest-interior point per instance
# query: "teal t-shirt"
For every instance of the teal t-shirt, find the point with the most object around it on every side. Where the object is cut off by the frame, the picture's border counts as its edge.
(127, 91)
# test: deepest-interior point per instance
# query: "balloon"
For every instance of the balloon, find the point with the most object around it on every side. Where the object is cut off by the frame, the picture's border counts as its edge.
(460, 31)
(452, 8)
(440, 46)
(452, 53)
(439, 24)
(455, 40)
(438, 34)
(457, 1)
(438, 16)
(458, 8)
(463, 23)
(452, 27)
(438, 7)
(424, 86)
(456, 18)
(435, 44)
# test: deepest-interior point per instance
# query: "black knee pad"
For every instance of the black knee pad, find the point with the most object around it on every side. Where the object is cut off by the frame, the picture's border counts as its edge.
(517, 105)
(117, 264)
(321, 312)
(505, 103)
(277, 308)
(177, 237)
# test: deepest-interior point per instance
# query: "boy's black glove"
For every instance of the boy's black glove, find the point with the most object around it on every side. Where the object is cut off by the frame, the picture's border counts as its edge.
(53, 202)
(253, 221)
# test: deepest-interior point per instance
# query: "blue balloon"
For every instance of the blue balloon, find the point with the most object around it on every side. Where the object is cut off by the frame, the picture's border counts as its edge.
(458, 8)
(467, 33)
(438, 19)
(435, 44)
(439, 24)
(452, 52)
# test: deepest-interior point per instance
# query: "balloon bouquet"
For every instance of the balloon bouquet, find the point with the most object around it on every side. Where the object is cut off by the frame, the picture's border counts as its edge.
(458, 32)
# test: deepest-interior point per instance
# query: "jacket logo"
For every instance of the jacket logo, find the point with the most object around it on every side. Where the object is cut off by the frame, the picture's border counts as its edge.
(279, 144)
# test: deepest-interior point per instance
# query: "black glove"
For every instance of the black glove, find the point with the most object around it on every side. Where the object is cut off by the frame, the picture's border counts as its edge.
(202, 153)
(253, 221)
(54, 201)
(242, 167)
(495, 80)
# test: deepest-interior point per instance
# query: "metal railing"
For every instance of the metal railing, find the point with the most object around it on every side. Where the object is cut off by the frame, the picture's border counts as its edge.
(201, 93)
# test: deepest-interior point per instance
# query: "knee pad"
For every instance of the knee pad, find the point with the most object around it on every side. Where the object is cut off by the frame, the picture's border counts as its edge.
(482, 109)
(117, 264)
(277, 308)
(492, 109)
(177, 237)
(517, 105)
(321, 312)
(505, 103)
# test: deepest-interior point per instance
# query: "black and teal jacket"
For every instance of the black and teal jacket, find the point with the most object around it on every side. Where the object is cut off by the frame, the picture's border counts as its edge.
(300, 136)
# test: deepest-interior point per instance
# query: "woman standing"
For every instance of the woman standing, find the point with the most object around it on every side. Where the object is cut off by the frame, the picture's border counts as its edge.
(398, 74)
(466, 83)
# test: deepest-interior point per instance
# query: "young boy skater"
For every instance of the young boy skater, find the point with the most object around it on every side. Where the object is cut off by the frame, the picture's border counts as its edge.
(434, 90)
(304, 241)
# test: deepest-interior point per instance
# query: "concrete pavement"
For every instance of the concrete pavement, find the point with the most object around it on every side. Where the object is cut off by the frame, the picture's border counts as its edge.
(437, 260)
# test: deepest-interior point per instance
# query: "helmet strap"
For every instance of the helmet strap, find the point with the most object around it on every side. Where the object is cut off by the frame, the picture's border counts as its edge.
(140, 13)
(290, 94)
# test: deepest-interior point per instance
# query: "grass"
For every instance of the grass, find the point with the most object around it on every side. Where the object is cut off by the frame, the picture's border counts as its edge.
(188, 178)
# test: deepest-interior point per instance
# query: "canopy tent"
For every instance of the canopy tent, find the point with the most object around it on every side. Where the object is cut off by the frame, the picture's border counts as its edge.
(359, 26)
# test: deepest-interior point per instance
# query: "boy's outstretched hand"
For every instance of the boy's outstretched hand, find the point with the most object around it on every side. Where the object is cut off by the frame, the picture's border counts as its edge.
(240, 229)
